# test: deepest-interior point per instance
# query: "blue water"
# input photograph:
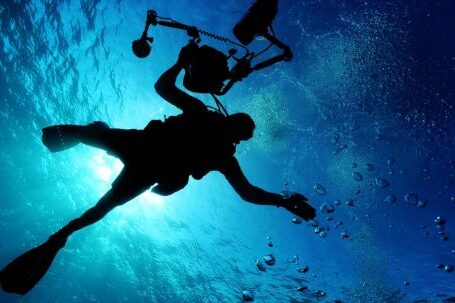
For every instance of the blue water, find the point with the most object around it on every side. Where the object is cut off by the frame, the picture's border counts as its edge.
(371, 82)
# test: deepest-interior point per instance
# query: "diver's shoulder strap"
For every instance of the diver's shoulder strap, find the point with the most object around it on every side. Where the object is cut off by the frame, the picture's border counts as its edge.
(221, 108)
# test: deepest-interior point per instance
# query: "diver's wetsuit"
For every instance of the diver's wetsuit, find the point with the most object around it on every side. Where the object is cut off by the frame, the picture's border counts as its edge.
(163, 153)
(168, 153)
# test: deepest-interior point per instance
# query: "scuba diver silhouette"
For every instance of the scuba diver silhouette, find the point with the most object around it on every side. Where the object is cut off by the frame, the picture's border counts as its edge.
(163, 155)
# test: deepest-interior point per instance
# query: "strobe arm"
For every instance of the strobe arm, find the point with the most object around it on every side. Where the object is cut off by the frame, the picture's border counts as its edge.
(285, 56)
(192, 31)
(243, 67)
(141, 47)
(152, 16)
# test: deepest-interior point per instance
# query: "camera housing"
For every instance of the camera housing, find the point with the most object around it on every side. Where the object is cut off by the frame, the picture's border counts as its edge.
(141, 48)
(207, 71)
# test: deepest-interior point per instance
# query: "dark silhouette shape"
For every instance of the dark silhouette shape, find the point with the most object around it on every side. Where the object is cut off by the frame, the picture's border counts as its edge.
(163, 155)
(208, 68)
(207, 71)
(256, 21)
(21, 275)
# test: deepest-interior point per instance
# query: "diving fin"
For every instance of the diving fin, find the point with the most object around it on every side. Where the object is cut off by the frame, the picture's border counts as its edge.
(22, 274)
(60, 137)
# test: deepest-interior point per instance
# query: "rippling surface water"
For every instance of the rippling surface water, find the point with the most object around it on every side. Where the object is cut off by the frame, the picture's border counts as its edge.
(371, 83)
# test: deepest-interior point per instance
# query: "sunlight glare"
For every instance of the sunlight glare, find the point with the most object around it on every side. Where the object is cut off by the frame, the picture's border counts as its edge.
(106, 168)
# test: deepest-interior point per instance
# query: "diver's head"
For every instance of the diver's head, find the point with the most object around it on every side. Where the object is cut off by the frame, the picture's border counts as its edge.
(240, 127)
(207, 71)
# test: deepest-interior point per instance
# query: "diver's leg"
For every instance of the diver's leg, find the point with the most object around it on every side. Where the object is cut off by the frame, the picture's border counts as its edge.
(124, 189)
(100, 135)
(108, 202)
(61, 137)
(97, 134)
(24, 272)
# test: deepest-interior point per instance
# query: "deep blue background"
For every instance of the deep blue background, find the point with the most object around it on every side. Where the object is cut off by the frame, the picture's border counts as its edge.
(377, 76)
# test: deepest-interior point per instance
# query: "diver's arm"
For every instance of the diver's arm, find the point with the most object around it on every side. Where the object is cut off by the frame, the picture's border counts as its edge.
(248, 192)
(166, 88)
(294, 203)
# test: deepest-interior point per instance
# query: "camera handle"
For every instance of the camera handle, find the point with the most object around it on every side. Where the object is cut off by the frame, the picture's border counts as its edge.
(152, 19)
(243, 67)
(285, 56)
(192, 31)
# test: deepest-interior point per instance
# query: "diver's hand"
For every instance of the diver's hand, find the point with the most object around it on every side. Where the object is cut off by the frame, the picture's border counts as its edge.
(186, 54)
(297, 204)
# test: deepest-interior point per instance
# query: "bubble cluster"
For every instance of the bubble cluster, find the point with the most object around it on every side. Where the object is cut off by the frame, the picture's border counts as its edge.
(269, 259)
(357, 176)
(390, 199)
(259, 266)
(382, 183)
(303, 269)
(247, 296)
(320, 189)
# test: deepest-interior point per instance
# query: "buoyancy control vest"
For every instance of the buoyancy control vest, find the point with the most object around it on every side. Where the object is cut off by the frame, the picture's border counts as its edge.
(190, 145)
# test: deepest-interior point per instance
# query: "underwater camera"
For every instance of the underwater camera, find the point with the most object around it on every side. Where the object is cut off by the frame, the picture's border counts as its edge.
(208, 69)
(141, 47)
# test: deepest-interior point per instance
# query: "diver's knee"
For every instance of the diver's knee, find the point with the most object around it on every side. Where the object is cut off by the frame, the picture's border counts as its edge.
(94, 127)
(98, 125)
(118, 196)
(92, 133)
